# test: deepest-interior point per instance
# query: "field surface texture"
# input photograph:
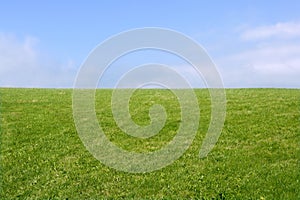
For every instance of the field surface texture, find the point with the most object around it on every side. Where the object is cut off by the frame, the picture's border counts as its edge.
(256, 157)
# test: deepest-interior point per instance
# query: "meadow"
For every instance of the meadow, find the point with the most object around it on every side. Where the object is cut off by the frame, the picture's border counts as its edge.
(256, 157)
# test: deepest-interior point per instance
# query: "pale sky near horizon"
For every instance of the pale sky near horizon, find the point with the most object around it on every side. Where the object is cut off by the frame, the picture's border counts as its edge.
(253, 43)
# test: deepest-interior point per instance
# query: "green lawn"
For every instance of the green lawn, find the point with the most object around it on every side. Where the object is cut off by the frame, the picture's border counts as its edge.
(257, 155)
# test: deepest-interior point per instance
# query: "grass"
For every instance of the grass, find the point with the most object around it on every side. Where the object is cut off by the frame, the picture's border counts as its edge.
(257, 155)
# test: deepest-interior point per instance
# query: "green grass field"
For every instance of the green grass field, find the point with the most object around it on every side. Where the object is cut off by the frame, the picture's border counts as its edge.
(257, 155)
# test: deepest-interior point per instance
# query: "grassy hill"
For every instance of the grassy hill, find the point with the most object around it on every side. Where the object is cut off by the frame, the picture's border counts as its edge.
(257, 155)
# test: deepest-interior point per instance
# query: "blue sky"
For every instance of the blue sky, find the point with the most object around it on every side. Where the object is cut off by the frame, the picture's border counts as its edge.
(253, 43)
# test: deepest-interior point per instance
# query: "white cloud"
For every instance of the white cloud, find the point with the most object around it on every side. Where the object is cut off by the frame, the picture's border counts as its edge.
(14, 54)
(272, 59)
(279, 30)
(22, 64)
(264, 66)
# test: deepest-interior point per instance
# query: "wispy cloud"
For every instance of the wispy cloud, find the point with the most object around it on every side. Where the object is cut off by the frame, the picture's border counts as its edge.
(15, 54)
(22, 64)
(278, 30)
(270, 58)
